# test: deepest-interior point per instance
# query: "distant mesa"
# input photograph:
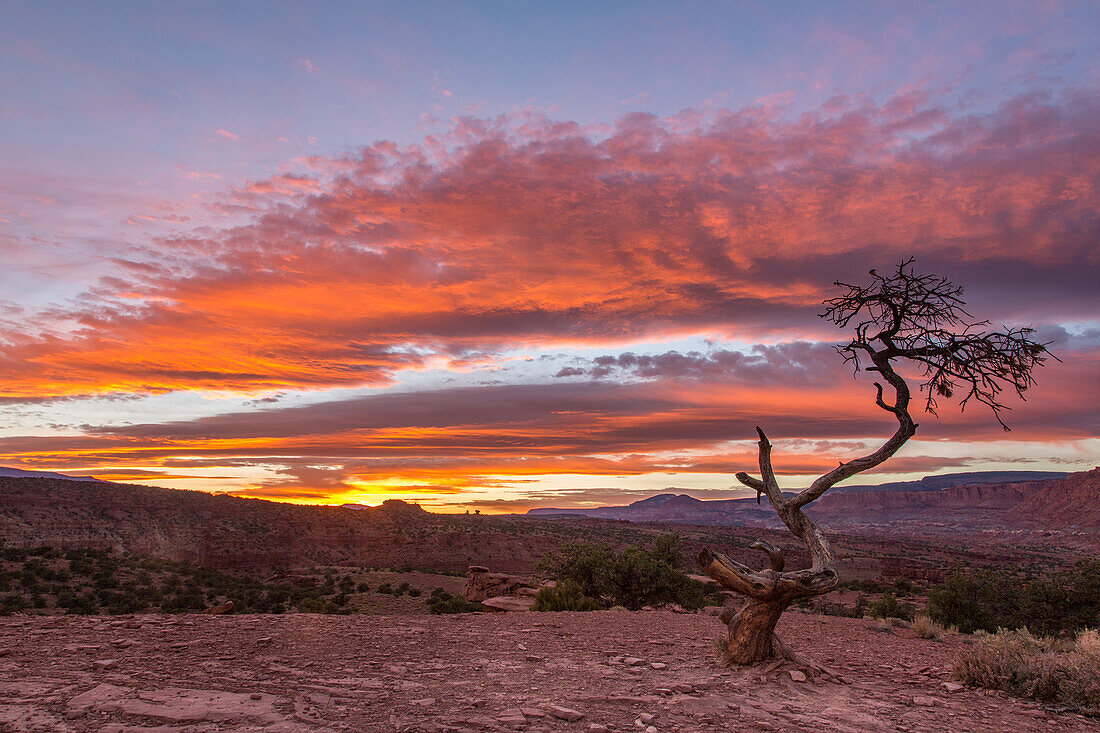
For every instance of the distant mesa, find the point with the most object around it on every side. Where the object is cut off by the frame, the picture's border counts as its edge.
(19, 473)
(974, 498)
(390, 506)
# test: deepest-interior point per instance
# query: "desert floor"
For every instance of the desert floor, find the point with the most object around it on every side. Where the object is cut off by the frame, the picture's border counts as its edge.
(618, 671)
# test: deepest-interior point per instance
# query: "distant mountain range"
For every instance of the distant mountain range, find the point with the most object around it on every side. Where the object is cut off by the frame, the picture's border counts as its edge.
(985, 498)
(19, 473)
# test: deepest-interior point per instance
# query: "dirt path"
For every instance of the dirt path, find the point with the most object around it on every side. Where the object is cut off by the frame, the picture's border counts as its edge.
(650, 671)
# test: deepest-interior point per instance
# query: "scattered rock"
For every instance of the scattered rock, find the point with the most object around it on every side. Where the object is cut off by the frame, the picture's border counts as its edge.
(798, 675)
(658, 665)
(924, 701)
(104, 664)
(953, 686)
(562, 713)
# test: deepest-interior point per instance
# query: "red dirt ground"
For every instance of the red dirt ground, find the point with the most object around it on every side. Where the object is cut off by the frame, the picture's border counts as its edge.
(480, 672)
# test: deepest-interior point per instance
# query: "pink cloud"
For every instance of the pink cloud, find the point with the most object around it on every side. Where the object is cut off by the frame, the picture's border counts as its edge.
(524, 230)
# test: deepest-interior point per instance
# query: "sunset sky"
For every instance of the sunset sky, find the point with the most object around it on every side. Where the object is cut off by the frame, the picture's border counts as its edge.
(501, 255)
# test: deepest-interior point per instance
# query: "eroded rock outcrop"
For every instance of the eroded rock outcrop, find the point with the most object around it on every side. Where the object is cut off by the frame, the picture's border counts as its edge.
(482, 584)
(500, 591)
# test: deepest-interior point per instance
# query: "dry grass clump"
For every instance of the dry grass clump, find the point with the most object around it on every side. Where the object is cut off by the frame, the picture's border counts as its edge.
(883, 625)
(925, 628)
(722, 651)
(1065, 675)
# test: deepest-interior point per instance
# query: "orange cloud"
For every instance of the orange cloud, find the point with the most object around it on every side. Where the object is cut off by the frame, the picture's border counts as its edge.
(529, 231)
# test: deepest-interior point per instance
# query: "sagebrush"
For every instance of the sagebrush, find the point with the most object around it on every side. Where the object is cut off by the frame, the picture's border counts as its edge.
(1066, 675)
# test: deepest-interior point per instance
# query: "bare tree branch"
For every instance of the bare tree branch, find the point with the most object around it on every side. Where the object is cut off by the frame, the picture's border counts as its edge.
(906, 316)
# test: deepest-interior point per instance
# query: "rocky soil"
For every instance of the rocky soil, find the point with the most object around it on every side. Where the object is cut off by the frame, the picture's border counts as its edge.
(599, 671)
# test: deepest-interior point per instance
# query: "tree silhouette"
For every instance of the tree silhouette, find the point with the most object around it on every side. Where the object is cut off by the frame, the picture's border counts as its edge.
(903, 316)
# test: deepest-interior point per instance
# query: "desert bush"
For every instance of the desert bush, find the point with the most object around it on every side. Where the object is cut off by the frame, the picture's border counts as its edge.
(988, 600)
(1038, 668)
(12, 603)
(566, 595)
(183, 601)
(586, 564)
(904, 587)
(635, 577)
(890, 607)
(311, 604)
(926, 628)
(863, 585)
(83, 605)
(441, 601)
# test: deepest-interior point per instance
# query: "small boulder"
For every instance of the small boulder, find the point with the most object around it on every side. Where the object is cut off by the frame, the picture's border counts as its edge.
(219, 609)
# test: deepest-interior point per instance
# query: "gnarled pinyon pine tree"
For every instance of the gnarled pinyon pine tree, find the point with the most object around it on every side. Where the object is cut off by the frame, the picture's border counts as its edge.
(919, 319)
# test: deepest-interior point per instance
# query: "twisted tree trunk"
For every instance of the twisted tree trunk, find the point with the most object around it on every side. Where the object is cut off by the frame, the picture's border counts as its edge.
(752, 636)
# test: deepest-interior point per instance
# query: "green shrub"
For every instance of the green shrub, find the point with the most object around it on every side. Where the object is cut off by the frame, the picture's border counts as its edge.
(83, 605)
(183, 601)
(441, 601)
(311, 604)
(890, 607)
(588, 565)
(864, 586)
(565, 596)
(635, 577)
(988, 600)
(12, 603)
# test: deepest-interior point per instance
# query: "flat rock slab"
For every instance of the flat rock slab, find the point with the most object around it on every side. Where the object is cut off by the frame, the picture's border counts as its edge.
(509, 603)
(177, 704)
